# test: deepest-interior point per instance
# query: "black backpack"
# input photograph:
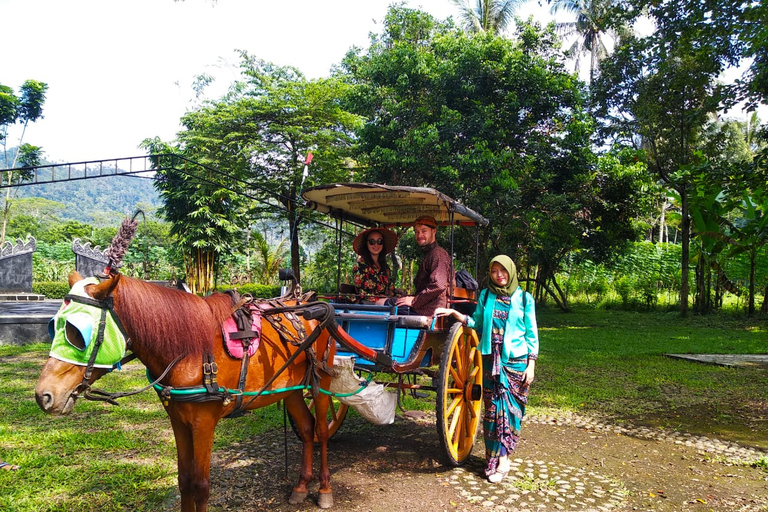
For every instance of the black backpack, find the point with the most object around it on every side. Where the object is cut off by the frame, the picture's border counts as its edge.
(465, 280)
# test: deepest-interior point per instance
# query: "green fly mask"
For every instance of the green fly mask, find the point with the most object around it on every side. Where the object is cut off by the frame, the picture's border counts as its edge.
(86, 332)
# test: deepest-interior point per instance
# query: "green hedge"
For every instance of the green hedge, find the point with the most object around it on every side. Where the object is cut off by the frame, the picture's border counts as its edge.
(57, 290)
(51, 289)
(260, 291)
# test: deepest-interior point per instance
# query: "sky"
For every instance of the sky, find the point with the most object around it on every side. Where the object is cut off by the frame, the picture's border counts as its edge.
(121, 71)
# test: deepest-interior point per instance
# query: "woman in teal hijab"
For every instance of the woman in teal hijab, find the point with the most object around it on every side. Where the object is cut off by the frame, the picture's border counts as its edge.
(505, 319)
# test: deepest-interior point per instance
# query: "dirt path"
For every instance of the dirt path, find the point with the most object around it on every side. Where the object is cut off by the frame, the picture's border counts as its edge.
(566, 464)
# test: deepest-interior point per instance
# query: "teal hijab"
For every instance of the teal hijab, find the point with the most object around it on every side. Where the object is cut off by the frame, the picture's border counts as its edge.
(509, 266)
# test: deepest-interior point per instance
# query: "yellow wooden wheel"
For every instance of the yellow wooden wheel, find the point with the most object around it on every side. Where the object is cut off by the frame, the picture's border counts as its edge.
(459, 393)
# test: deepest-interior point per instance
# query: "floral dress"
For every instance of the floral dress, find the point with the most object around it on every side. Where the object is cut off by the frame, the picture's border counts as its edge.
(371, 281)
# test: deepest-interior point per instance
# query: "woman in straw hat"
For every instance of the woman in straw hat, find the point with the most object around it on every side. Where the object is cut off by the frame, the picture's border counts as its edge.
(373, 278)
(505, 319)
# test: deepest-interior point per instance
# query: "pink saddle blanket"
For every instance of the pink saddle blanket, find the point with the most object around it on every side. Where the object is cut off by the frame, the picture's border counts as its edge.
(233, 337)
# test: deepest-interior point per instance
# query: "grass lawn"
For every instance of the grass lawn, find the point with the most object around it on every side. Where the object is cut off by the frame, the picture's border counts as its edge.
(597, 362)
(612, 364)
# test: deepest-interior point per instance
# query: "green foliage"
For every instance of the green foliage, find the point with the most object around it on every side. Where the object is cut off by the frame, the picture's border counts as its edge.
(101, 202)
(322, 271)
(52, 262)
(262, 291)
(492, 16)
(66, 232)
(624, 286)
(500, 125)
(51, 290)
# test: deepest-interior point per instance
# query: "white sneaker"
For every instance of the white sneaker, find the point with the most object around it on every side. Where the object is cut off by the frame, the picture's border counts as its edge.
(497, 477)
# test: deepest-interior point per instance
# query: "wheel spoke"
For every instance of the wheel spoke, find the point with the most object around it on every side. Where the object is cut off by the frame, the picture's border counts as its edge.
(456, 379)
(467, 418)
(457, 359)
(454, 403)
(455, 426)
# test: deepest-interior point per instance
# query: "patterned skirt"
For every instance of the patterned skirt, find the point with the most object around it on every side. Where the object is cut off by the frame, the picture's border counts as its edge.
(504, 398)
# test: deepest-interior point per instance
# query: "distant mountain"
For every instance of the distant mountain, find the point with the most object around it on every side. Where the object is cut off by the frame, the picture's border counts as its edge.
(99, 201)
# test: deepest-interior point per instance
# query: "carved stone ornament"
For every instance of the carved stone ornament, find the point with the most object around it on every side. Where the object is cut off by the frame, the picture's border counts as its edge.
(94, 253)
(9, 249)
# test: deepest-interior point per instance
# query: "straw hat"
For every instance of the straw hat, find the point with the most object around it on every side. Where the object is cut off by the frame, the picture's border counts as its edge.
(389, 236)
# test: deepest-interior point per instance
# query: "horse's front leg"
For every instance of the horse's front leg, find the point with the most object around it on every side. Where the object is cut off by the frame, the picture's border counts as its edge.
(193, 427)
(304, 421)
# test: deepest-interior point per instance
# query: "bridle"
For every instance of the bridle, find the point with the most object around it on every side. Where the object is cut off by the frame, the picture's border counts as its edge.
(84, 389)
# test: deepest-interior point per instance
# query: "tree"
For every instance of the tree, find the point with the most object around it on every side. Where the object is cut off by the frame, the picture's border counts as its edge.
(206, 214)
(257, 137)
(657, 93)
(26, 108)
(277, 119)
(496, 123)
(594, 22)
(491, 16)
(269, 260)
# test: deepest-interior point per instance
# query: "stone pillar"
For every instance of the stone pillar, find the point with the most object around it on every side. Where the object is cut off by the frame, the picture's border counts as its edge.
(16, 266)
(88, 261)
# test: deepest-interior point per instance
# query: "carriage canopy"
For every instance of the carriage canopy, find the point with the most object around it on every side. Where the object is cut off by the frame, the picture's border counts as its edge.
(371, 204)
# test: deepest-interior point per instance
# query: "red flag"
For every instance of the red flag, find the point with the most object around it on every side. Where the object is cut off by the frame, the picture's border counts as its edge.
(309, 159)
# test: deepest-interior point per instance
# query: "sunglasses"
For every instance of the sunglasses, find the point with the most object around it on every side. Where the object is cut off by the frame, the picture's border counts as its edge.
(378, 241)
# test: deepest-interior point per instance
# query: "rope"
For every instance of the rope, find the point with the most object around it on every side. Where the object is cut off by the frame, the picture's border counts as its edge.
(201, 390)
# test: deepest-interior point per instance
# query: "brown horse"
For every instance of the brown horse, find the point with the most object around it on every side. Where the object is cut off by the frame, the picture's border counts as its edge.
(164, 324)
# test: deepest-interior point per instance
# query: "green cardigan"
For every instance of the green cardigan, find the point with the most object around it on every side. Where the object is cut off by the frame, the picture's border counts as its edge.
(521, 334)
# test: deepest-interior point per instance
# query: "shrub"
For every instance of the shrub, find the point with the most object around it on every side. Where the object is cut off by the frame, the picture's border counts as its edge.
(261, 291)
(51, 289)
(624, 287)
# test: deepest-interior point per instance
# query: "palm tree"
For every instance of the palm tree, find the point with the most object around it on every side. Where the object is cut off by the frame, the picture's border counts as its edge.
(269, 259)
(592, 25)
(490, 16)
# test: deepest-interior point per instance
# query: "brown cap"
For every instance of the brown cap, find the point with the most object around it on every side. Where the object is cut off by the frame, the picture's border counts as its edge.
(389, 236)
(426, 220)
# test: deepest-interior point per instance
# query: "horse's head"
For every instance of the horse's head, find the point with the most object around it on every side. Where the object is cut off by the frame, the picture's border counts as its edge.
(78, 357)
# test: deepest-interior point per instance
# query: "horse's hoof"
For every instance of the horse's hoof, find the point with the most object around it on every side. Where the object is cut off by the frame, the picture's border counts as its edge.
(297, 497)
(325, 500)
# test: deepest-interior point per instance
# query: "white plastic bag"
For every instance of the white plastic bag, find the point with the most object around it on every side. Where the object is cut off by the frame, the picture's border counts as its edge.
(373, 402)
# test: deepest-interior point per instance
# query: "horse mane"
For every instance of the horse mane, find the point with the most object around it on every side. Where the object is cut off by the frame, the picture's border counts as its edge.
(173, 321)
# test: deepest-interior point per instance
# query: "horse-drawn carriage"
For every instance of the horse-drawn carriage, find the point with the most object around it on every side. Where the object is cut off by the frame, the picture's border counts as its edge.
(407, 345)
(288, 346)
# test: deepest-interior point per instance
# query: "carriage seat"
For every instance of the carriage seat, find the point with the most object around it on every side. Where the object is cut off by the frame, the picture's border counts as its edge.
(379, 314)
(463, 293)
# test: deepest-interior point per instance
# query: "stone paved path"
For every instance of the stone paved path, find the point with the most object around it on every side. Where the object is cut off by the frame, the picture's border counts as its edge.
(536, 483)
(565, 463)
